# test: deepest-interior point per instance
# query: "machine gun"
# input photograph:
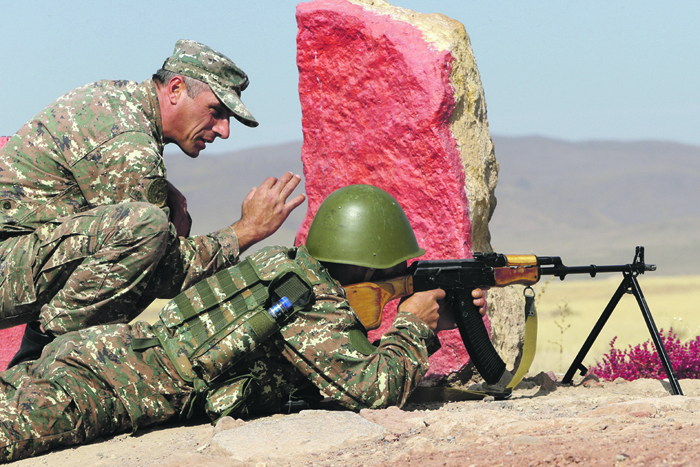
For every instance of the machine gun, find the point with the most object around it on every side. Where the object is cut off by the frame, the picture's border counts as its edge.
(458, 277)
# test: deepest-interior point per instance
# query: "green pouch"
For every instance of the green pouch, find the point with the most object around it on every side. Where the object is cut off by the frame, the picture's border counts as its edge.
(211, 326)
(229, 397)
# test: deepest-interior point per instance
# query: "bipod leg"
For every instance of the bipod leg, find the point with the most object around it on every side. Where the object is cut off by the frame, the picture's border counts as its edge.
(577, 363)
(656, 337)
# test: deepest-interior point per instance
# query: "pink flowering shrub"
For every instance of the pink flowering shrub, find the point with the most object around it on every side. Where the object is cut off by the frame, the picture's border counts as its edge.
(642, 361)
(3, 140)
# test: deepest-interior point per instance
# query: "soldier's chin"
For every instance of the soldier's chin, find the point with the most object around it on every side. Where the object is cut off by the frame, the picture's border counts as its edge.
(193, 152)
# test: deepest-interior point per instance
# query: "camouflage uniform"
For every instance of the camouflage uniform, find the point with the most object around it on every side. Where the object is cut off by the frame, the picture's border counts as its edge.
(84, 229)
(93, 383)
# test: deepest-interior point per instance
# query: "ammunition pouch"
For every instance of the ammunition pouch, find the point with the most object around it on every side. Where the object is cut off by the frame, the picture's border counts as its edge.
(209, 327)
(229, 397)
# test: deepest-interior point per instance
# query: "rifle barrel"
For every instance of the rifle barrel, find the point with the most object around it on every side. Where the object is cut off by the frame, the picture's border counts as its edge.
(561, 271)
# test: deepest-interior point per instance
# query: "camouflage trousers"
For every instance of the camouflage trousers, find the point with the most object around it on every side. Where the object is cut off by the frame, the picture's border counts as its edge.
(92, 383)
(93, 268)
(86, 385)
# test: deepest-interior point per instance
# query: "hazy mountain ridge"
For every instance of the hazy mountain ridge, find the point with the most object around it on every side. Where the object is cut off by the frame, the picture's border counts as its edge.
(588, 202)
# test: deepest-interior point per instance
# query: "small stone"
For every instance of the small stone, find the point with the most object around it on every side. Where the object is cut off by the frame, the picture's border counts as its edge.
(546, 383)
(228, 423)
(526, 440)
(299, 434)
(391, 438)
(590, 377)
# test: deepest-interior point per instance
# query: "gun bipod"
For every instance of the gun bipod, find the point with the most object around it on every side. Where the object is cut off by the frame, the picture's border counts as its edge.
(629, 285)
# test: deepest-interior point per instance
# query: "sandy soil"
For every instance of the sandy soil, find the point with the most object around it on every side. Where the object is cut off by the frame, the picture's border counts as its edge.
(614, 423)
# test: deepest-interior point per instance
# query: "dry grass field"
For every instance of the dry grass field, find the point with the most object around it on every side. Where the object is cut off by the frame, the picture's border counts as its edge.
(568, 310)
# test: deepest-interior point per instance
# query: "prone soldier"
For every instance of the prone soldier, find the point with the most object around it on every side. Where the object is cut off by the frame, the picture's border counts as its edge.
(217, 349)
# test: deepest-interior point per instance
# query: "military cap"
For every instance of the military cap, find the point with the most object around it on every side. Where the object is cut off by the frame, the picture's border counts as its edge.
(225, 79)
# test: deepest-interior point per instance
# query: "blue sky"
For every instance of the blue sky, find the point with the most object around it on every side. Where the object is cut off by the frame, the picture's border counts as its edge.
(589, 70)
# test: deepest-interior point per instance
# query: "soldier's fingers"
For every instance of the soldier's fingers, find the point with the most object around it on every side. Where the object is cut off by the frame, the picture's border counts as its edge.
(251, 194)
(282, 181)
(295, 203)
(291, 183)
(477, 293)
(269, 183)
(282, 187)
(439, 294)
(285, 178)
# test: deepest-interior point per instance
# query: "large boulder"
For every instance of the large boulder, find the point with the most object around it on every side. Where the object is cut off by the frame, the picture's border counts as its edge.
(393, 98)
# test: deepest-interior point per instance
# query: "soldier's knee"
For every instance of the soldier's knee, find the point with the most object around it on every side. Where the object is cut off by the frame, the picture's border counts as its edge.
(144, 219)
(140, 226)
(152, 215)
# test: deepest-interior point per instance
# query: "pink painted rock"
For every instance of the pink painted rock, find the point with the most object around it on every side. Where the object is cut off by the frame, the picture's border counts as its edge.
(9, 338)
(392, 98)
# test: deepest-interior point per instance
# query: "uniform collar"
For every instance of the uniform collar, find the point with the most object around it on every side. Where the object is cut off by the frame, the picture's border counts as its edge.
(149, 89)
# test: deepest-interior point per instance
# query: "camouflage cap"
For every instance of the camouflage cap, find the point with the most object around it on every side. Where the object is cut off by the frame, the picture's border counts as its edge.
(225, 79)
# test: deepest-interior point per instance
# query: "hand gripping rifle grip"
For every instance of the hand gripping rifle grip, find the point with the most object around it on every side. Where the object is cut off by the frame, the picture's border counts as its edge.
(476, 338)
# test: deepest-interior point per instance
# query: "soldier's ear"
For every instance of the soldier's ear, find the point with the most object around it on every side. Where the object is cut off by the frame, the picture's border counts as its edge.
(176, 89)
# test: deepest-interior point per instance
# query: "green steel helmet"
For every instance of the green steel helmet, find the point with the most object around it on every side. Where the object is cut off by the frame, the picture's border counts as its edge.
(362, 225)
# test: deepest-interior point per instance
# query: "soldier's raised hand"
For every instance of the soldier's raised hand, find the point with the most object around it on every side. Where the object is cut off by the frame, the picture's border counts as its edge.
(266, 208)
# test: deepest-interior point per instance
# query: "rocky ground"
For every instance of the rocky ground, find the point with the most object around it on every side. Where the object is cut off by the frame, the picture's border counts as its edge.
(592, 423)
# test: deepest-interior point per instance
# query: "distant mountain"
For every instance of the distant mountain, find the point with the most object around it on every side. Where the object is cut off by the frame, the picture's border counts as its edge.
(588, 202)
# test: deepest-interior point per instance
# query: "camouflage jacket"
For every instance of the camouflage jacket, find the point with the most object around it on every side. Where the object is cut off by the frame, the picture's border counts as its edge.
(100, 144)
(320, 350)
(324, 342)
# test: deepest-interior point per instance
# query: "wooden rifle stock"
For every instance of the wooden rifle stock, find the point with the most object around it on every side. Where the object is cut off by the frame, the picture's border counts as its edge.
(368, 299)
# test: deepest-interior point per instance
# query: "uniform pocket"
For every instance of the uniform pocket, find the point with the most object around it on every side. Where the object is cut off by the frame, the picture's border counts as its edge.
(16, 278)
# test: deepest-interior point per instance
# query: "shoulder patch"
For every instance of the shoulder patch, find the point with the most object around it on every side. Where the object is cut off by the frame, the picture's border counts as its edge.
(157, 192)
